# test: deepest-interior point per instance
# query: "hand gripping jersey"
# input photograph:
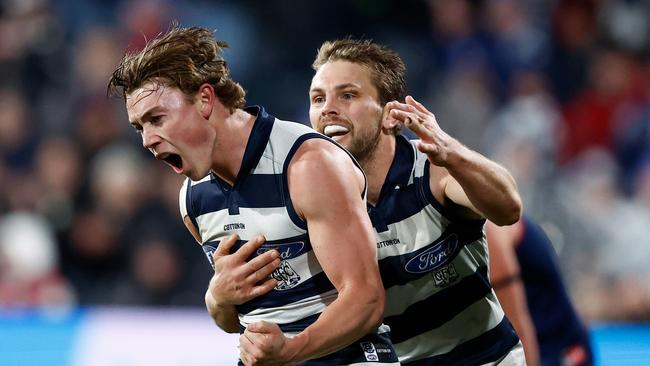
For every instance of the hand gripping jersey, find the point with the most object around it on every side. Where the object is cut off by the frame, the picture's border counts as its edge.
(259, 203)
(562, 338)
(440, 305)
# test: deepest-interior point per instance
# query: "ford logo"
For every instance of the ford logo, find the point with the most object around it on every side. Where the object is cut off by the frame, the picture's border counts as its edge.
(434, 257)
(286, 250)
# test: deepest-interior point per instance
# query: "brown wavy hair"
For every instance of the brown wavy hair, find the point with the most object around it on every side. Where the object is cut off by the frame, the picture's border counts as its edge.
(184, 58)
(388, 72)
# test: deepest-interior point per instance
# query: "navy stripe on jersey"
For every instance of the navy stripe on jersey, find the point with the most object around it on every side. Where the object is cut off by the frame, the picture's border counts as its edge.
(449, 214)
(315, 285)
(488, 347)
(287, 247)
(439, 308)
(256, 142)
(398, 269)
(299, 325)
(373, 344)
(400, 204)
(248, 194)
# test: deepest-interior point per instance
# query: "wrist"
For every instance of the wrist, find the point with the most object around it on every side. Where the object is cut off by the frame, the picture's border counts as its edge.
(456, 154)
(212, 302)
(295, 346)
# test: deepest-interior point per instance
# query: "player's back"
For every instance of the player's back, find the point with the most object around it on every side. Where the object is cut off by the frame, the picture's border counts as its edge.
(562, 338)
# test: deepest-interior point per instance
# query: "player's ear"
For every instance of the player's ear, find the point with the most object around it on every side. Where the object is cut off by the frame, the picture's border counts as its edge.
(206, 99)
(387, 121)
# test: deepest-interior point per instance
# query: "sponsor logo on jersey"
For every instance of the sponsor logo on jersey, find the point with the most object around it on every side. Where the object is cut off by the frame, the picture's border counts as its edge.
(369, 351)
(445, 276)
(234, 226)
(434, 257)
(387, 243)
(286, 250)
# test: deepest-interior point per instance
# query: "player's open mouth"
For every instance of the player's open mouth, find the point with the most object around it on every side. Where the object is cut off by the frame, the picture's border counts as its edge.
(174, 160)
(335, 130)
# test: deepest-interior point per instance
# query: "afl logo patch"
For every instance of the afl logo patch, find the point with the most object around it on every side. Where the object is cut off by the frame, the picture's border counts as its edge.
(434, 257)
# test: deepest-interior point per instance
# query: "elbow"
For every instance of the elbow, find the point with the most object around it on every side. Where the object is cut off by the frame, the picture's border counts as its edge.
(369, 313)
(511, 213)
(229, 328)
(376, 313)
(226, 325)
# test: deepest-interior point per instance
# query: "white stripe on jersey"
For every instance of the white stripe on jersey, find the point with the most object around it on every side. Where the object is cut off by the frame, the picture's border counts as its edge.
(273, 222)
(411, 240)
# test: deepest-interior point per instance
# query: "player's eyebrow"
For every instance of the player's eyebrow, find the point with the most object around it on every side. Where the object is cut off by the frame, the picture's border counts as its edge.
(338, 87)
(138, 120)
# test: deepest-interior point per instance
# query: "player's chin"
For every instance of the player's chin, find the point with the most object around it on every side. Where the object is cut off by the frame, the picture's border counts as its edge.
(342, 138)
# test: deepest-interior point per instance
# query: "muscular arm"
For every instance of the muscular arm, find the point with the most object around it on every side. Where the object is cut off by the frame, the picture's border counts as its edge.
(326, 188)
(504, 276)
(458, 173)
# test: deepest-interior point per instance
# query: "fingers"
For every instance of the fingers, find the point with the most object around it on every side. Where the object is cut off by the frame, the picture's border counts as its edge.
(263, 265)
(394, 105)
(258, 327)
(263, 287)
(246, 347)
(412, 121)
(225, 245)
(411, 105)
(246, 250)
(262, 260)
(418, 106)
(414, 124)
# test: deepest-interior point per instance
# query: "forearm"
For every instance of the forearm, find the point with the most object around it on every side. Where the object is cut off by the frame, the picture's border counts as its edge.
(344, 321)
(225, 316)
(489, 187)
(511, 297)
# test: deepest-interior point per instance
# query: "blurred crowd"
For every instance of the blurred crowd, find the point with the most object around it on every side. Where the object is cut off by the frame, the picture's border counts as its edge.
(558, 91)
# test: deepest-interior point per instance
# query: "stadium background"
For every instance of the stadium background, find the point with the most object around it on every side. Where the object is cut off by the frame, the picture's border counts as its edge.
(95, 265)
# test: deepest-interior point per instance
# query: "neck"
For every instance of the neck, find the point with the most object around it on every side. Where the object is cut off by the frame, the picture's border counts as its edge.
(376, 166)
(230, 146)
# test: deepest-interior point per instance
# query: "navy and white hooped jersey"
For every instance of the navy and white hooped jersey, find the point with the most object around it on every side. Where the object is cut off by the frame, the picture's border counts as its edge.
(259, 203)
(440, 305)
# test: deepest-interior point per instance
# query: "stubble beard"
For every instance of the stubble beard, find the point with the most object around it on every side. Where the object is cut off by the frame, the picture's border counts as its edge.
(364, 146)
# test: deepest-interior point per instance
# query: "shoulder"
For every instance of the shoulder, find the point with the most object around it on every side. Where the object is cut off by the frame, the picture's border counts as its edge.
(317, 158)
(321, 169)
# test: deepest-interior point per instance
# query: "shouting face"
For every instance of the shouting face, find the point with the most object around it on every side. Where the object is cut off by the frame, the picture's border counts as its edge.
(172, 128)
